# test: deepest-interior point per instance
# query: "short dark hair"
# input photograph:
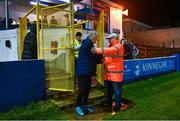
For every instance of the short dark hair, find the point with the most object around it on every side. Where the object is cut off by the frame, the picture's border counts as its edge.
(78, 34)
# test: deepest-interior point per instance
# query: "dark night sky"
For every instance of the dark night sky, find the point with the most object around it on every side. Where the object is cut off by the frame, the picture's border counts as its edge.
(154, 12)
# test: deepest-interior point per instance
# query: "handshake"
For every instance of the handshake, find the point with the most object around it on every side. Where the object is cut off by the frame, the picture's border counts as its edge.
(93, 50)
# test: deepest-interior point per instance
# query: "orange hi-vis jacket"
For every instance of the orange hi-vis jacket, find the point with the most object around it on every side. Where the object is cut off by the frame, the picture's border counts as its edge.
(113, 61)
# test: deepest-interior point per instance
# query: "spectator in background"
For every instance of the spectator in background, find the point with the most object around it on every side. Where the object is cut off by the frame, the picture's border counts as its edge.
(77, 44)
(30, 44)
(130, 50)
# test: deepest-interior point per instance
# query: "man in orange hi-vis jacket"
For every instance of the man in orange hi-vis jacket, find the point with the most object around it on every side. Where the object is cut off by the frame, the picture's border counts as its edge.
(113, 71)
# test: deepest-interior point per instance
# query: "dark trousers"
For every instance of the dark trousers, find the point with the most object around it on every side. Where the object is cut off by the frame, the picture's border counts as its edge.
(113, 87)
(84, 84)
(75, 79)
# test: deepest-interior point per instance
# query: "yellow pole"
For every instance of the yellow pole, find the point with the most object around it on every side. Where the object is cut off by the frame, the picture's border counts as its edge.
(58, 9)
(22, 33)
(72, 7)
(80, 23)
(100, 43)
(102, 24)
(55, 6)
(73, 27)
(37, 27)
(42, 33)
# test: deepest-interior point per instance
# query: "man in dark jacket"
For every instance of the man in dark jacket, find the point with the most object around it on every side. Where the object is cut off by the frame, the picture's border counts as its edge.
(85, 69)
(30, 44)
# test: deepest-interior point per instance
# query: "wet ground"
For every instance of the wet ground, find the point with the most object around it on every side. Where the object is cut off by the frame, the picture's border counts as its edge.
(67, 103)
(99, 113)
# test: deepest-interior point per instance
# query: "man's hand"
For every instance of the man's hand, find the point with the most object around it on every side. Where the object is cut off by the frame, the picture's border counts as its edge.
(93, 50)
(76, 48)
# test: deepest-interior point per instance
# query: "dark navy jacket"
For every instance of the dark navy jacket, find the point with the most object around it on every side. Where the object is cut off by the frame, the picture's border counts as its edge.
(86, 63)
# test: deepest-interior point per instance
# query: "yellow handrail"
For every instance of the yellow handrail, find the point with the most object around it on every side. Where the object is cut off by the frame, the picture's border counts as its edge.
(29, 12)
(80, 23)
(55, 78)
(61, 48)
(64, 90)
(55, 6)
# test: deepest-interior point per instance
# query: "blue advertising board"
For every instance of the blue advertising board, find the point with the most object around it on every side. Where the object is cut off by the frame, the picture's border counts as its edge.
(177, 62)
(141, 68)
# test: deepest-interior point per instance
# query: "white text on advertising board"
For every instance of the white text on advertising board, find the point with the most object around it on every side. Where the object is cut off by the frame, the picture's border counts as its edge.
(154, 65)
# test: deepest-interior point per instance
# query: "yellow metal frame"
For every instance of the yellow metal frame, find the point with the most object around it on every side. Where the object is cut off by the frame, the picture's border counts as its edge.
(27, 14)
(100, 30)
(64, 90)
(38, 29)
(55, 6)
(71, 37)
(42, 27)
(71, 29)
(22, 34)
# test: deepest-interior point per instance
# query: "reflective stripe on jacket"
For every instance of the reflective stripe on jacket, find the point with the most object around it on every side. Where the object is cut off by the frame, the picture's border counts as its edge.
(113, 62)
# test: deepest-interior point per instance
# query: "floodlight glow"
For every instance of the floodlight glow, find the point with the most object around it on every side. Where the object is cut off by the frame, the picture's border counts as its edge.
(35, 3)
(67, 1)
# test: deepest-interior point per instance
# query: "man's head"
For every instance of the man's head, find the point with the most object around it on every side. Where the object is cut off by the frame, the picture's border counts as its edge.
(78, 36)
(93, 36)
(112, 37)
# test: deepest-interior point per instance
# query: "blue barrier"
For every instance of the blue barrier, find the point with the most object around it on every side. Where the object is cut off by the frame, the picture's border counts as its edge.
(21, 82)
(177, 62)
(137, 69)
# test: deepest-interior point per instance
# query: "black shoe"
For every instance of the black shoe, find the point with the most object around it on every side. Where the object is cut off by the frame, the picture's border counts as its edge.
(106, 103)
(115, 109)
(88, 109)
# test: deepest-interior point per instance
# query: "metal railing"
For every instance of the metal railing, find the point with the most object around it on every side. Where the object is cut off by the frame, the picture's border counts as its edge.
(154, 51)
